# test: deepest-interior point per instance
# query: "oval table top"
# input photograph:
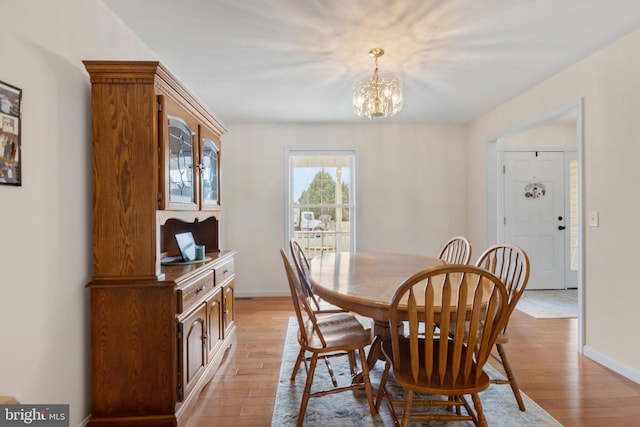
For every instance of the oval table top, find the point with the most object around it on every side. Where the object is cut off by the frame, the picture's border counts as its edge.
(364, 282)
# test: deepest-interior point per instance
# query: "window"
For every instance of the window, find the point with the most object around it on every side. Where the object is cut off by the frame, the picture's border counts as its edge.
(321, 200)
(573, 213)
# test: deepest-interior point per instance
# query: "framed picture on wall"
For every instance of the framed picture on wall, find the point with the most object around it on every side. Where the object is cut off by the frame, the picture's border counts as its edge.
(10, 146)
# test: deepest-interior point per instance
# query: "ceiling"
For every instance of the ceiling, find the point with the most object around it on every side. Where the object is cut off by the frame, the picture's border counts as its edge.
(296, 60)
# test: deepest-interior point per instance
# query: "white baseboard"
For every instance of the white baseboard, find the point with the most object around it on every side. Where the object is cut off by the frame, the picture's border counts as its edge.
(614, 365)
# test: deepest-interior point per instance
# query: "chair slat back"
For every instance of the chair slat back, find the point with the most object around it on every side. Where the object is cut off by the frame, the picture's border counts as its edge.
(302, 266)
(307, 321)
(472, 292)
(456, 251)
(511, 265)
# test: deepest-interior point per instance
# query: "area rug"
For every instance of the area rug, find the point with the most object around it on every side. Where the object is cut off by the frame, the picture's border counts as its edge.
(350, 409)
(548, 304)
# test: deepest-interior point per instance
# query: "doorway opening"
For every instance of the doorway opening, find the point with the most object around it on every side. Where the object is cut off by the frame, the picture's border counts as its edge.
(539, 155)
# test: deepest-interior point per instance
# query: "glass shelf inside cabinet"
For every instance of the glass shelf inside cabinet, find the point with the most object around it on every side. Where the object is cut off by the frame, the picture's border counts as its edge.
(209, 172)
(181, 139)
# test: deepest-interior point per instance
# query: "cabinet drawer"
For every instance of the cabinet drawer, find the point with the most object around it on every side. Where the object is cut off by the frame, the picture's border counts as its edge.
(224, 272)
(194, 291)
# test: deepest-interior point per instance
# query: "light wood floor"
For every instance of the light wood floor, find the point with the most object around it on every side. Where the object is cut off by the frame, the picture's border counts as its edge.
(543, 353)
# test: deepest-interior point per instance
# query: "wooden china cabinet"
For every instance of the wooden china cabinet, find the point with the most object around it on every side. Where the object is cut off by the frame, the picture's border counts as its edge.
(159, 328)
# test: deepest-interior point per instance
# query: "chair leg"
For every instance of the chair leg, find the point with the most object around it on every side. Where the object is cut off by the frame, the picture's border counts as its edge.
(367, 381)
(511, 377)
(482, 421)
(406, 408)
(382, 394)
(307, 389)
(383, 382)
(300, 359)
(331, 374)
(297, 365)
(451, 408)
(352, 363)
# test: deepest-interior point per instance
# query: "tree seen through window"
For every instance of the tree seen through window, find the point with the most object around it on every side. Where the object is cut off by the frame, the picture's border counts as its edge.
(322, 191)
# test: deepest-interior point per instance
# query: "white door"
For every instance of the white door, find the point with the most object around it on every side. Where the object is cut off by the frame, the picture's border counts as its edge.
(534, 213)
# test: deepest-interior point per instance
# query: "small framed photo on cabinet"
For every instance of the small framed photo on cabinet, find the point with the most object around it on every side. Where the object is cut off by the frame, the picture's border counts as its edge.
(10, 146)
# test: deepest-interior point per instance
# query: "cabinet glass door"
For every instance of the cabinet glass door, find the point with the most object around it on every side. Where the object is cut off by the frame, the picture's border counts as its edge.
(209, 173)
(181, 162)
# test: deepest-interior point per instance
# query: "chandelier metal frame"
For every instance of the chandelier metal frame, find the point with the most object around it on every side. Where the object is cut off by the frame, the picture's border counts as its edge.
(378, 96)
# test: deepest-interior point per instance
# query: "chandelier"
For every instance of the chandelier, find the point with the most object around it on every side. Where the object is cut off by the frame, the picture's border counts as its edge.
(377, 96)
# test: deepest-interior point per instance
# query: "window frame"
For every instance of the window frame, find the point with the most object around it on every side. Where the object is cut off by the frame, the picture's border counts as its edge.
(291, 204)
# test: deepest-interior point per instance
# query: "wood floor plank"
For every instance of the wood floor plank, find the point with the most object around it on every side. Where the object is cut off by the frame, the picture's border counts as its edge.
(543, 353)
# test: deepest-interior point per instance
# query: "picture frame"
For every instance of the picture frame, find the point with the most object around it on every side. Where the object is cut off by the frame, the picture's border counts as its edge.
(10, 141)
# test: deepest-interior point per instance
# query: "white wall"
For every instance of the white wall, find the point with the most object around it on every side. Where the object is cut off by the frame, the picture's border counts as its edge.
(608, 82)
(552, 136)
(45, 255)
(410, 191)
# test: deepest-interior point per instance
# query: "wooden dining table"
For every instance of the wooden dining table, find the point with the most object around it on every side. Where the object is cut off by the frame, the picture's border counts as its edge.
(364, 282)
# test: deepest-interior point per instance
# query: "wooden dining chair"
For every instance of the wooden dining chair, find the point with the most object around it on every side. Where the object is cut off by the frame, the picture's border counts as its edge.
(452, 366)
(511, 265)
(301, 262)
(456, 251)
(318, 306)
(332, 335)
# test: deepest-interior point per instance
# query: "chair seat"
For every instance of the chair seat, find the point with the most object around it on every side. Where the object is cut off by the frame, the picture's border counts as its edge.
(431, 385)
(341, 331)
(503, 338)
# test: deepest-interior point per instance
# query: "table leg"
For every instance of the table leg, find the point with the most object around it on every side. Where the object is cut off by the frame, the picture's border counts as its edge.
(381, 332)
